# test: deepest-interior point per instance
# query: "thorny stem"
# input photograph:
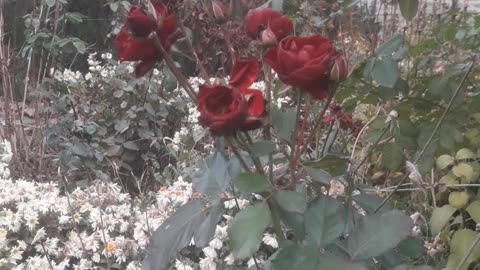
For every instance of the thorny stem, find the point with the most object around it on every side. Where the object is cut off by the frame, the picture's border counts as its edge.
(317, 125)
(171, 65)
(295, 139)
(268, 134)
(430, 139)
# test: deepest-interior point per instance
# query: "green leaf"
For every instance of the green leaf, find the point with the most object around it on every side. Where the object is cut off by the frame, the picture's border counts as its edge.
(294, 221)
(331, 262)
(439, 85)
(411, 247)
(206, 231)
(377, 234)
(291, 201)
(325, 220)
(294, 257)
(386, 72)
(460, 245)
(465, 153)
(408, 8)
(444, 161)
(392, 156)
(318, 175)
(50, 3)
(174, 234)
(335, 165)
(131, 145)
(262, 148)
(277, 5)
(474, 211)
(407, 128)
(74, 17)
(370, 202)
(283, 122)
(464, 171)
(215, 175)
(246, 230)
(252, 183)
(440, 217)
(406, 142)
(390, 46)
(80, 46)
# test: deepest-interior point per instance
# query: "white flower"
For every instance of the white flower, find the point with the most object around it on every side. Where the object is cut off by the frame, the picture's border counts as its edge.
(270, 240)
(229, 260)
(181, 266)
(208, 263)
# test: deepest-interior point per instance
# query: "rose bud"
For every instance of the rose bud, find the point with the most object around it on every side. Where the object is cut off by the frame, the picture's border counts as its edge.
(221, 11)
(339, 71)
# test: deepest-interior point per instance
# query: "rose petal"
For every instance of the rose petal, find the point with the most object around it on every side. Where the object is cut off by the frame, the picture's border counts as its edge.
(244, 73)
(260, 19)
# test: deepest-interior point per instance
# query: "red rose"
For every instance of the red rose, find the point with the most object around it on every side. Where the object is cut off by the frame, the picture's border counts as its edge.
(244, 73)
(225, 109)
(304, 62)
(132, 42)
(265, 19)
(222, 108)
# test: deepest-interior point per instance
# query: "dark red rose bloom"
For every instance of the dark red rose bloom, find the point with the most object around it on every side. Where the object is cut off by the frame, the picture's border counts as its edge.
(344, 120)
(304, 62)
(226, 109)
(244, 73)
(222, 108)
(132, 42)
(262, 19)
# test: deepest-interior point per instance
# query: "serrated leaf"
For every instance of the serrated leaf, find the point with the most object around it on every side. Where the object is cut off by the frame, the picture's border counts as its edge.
(174, 234)
(460, 245)
(325, 220)
(378, 233)
(440, 217)
(252, 183)
(465, 153)
(444, 161)
(390, 46)
(262, 148)
(408, 8)
(246, 230)
(386, 72)
(291, 201)
(319, 176)
(215, 175)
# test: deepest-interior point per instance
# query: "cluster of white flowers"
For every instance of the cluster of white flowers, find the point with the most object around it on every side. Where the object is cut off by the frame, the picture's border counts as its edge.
(42, 226)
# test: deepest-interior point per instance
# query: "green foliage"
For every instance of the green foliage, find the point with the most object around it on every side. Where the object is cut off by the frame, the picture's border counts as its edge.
(462, 241)
(246, 230)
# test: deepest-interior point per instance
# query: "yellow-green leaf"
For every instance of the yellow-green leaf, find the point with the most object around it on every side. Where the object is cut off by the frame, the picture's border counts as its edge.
(458, 199)
(464, 171)
(460, 245)
(474, 210)
(444, 161)
(448, 179)
(465, 153)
